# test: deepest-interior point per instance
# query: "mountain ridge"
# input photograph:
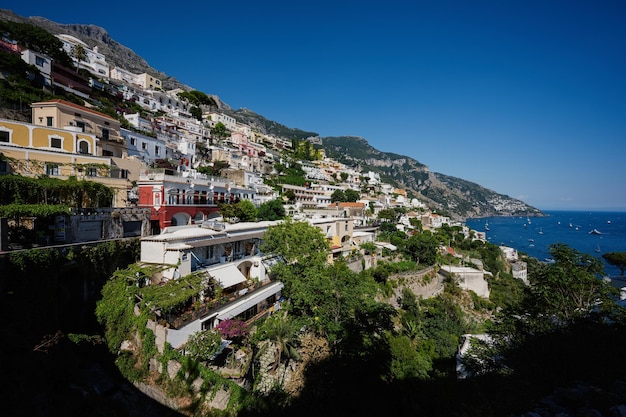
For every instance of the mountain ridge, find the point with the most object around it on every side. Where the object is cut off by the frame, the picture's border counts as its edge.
(453, 196)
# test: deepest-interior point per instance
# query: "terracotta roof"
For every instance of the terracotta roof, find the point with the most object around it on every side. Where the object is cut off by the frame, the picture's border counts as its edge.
(356, 205)
(76, 106)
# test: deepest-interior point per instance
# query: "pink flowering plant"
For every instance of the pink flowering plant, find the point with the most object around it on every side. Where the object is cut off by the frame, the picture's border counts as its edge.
(233, 329)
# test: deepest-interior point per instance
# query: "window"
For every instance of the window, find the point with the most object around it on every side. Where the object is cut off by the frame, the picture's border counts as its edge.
(92, 172)
(133, 142)
(81, 125)
(52, 169)
(156, 150)
(56, 143)
(105, 133)
(144, 145)
(49, 121)
(5, 136)
(39, 61)
(83, 147)
(4, 167)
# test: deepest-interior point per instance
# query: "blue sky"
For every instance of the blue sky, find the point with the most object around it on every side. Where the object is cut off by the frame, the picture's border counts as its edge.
(527, 98)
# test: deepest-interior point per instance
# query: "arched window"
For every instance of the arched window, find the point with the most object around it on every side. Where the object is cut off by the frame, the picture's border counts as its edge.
(83, 147)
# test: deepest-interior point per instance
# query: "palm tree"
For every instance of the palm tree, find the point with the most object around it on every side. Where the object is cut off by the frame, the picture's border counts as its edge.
(283, 332)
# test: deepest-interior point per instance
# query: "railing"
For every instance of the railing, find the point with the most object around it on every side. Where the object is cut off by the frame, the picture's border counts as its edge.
(178, 321)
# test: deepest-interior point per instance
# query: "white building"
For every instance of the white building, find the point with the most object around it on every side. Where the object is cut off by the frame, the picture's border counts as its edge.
(229, 256)
(146, 148)
(468, 278)
(41, 61)
(92, 61)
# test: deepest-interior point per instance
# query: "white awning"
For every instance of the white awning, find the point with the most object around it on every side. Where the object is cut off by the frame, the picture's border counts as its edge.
(249, 300)
(386, 245)
(227, 275)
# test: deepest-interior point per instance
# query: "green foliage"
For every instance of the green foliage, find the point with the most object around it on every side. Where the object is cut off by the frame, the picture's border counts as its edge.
(197, 98)
(246, 211)
(215, 169)
(202, 345)
(174, 295)
(85, 338)
(443, 324)
(422, 248)
(338, 196)
(352, 195)
(37, 39)
(406, 361)
(294, 175)
(196, 112)
(281, 329)
(505, 291)
(296, 242)
(36, 260)
(369, 247)
(388, 214)
(568, 289)
(15, 189)
(102, 260)
(304, 150)
(115, 310)
(219, 131)
(271, 210)
(243, 210)
(617, 259)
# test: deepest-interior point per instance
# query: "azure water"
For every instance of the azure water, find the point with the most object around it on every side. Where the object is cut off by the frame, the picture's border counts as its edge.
(593, 233)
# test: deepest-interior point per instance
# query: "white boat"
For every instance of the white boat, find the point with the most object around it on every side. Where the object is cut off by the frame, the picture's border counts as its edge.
(540, 231)
(595, 232)
(598, 248)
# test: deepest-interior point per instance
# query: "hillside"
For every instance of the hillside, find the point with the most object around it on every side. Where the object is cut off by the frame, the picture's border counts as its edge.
(454, 196)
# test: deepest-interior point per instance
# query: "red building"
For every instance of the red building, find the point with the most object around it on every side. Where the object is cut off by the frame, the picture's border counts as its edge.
(190, 198)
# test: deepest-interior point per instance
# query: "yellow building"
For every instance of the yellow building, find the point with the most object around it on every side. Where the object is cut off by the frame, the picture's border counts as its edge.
(32, 150)
(72, 117)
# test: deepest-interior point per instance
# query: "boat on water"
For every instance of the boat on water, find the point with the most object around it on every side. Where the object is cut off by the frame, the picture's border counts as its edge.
(595, 232)
(598, 249)
(540, 231)
(487, 226)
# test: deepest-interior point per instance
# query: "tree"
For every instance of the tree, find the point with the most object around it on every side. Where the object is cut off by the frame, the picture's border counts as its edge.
(196, 112)
(202, 345)
(219, 131)
(338, 196)
(352, 195)
(290, 195)
(296, 242)
(388, 214)
(406, 361)
(422, 248)
(617, 259)
(282, 330)
(567, 289)
(246, 211)
(344, 176)
(79, 53)
(271, 210)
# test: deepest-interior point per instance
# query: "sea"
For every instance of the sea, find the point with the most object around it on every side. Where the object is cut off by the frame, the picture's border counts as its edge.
(577, 229)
